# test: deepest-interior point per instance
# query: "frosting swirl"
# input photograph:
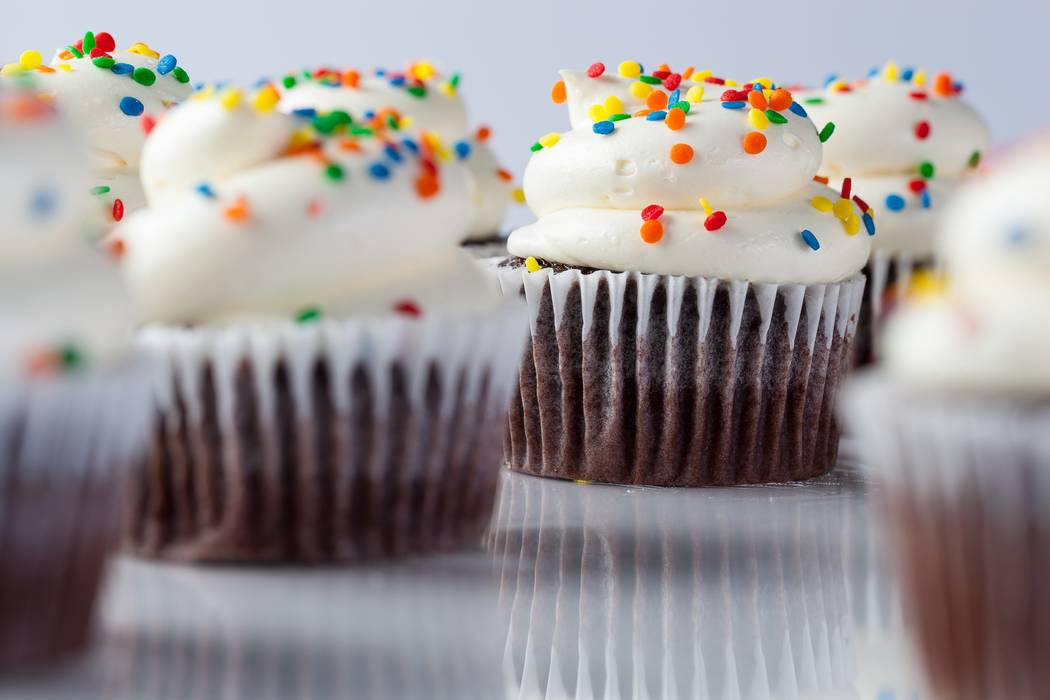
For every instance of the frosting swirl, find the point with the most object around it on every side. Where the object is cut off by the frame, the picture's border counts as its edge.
(424, 99)
(906, 138)
(688, 175)
(257, 213)
(988, 328)
(62, 303)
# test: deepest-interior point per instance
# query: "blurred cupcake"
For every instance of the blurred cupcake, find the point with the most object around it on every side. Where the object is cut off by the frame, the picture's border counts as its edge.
(957, 423)
(337, 369)
(693, 291)
(113, 97)
(422, 99)
(907, 139)
(71, 401)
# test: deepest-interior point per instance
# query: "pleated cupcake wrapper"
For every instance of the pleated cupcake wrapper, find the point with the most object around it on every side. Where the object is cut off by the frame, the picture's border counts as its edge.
(332, 441)
(884, 268)
(66, 444)
(611, 594)
(966, 483)
(653, 379)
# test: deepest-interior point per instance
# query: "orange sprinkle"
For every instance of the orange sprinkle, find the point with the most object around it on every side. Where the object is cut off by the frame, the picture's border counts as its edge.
(482, 134)
(504, 175)
(754, 142)
(652, 231)
(65, 55)
(688, 72)
(45, 69)
(664, 67)
(821, 179)
(349, 144)
(657, 99)
(681, 153)
(116, 248)
(25, 107)
(41, 363)
(427, 185)
(351, 78)
(238, 210)
(757, 100)
(641, 112)
(675, 119)
(780, 100)
(314, 207)
(558, 92)
(942, 84)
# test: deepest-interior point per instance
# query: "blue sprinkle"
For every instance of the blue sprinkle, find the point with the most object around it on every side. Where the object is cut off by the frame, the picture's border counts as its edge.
(830, 79)
(392, 153)
(907, 74)
(370, 115)
(734, 105)
(205, 189)
(873, 72)
(462, 149)
(131, 107)
(657, 116)
(810, 239)
(674, 97)
(43, 202)
(380, 72)
(925, 198)
(869, 223)
(894, 202)
(604, 127)
(122, 68)
(398, 81)
(379, 171)
(957, 87)
(199, 86)
(305, 112)
(261, 82)
(798, 109)
(410, 145)
(166, 64)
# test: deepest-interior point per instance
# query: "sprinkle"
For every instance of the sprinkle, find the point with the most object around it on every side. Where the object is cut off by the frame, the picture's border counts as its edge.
(462, 149)
(640, 90)
(310, 313)
(131, 106)
(409, 308)
(775, 117)
(115, 248)
(230, 98)
(427, 185)
(827, 131)
(675, 119)
(672, 81)
(266, 99)
(810, 239)
(504, 175)
(548, 140)
(618, 117)
(536, 147)
(861, 203)
(630, 69)
(104, 62)
(706, 206)
(734, 105)
(105, 41)
(715, 221)
(656, 116)
(917, 95)
(890, 72)
(118, 210)
(798, 109)
(334, 172)
(613, 105)
(595, 70)
(144, 76)
(975, 159)
(822, 179)
(237, 210)
(842, 209)
(942, 84)
(205, 189)
(814, 100)
(288, 81)
(847, 187)
(754, 143)
(652, 212)
(88, 42)
(518, 195)
(757, 100)
(852, 224)
(780, 100)
(379, 171)
(869, 223)
(822, 204)
(652, 231)
(482, 134)
(695, 93)
(604, 127)
(682, 105)
(181, 75)
(101, 189)
(894, 202)
(922, 130)
(650, 79)
(758, 119)
(166, 64)
(30, 59)
(597, 113)
(681, 153)
(926, 169)
(558, 95)
(925, 199)
(532, 264)
(147, 123)
(917, 185)
(657, 99)
(122, 68)
(674, 98)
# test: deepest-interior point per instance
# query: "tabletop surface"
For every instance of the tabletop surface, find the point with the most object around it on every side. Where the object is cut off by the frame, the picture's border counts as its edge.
(579, 591)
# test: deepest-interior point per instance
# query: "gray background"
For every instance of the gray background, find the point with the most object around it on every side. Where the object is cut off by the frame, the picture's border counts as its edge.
(509, 52)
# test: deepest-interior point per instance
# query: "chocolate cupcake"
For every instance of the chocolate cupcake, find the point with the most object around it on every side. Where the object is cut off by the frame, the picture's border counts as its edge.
(693, 291)
(428, 100)
(337, 370)
(72, 400)
(956, 423)
(907, 139)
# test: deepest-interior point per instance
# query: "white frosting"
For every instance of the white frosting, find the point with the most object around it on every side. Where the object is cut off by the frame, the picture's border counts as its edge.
(356, 245)
(588, 191)
(991, 328)
(877, 142)
(439, 110)
(55, 290)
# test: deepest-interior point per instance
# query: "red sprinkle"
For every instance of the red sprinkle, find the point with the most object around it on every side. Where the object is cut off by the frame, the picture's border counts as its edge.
(314, 208)
(922, 130)
(917, 95)
(715, 81)
(118, 210)
(652, 212)
(595, 70)
(408, 307)
(861, 203)
(116, 248)
(847, 186)
(148, 122)
(734, 96)
(672, 81)
(917, 185)
(483, 134)
(716, 221)
(661, 74)
(104, 41)
(96, 52)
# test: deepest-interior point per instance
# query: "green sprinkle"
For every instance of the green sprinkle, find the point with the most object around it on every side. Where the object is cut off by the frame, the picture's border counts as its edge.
(619, 117)
(926, 169)
(144, 76)
(310, 313)
(358, 130)
(417, 91)
(813, 101)
(391, 121)
(827, 131)
(975, 159)
(89, 42)
(70, 356)
(682, 105)
(101, 189)
(537, 147)
(775, 117)
(650, 79)
(288, 81)
(180, 74)
(104, 61)
(328, 123)
(454, 80)
(334, 172)
(75, 51)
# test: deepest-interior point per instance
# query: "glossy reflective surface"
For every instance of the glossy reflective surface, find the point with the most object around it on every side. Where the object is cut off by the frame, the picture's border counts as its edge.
(581, 591)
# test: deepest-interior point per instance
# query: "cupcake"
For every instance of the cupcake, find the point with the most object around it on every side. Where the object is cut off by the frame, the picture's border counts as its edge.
(113, 97)
(693, 290)
(907, 140)
(956, 423)
(72, 400)
(337, 370)
(426, 100)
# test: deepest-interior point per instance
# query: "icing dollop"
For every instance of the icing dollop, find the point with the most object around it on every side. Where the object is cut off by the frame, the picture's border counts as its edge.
(987, 326)
(906, 138)
(424, 99)
(257, 213)
(688, 174)
(62, 306)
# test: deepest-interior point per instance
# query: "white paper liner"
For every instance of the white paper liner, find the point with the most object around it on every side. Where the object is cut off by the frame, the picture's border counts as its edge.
(67, 443)
(436, 389)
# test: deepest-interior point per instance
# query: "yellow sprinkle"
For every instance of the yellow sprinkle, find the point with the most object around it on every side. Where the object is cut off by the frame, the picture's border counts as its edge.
(143, 50)
(821, 203)
(640, 90)
(843, 209)
(758, 119)
(767, 93)
(919, 78)
(30, 59)
(706, 205)
(518, 195)
(548, 140)
(65, 67)
(695, 93)
(630, 69)
(731, 83)
(764, 82)
(266, 99)
(301, 138)
(838, 86)
(424, 70)
(12, 69)
(597, 113)
(701, 76)
(438, 146)
(405, 122)
(852, 224)
(230, 98)
(532, 264)
(583, 482)
(447, 88)
(204, 93)
(613, 105)
(925, 284)
(890, 72)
